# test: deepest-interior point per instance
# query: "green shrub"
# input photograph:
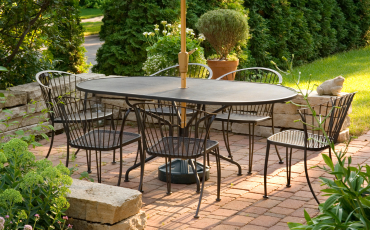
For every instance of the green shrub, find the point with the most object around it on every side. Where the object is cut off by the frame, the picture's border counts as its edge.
(124, 49)
(97, 4)
(27, 27)
(223, 29)
(165, 44)
(68, 47)
(32, 192)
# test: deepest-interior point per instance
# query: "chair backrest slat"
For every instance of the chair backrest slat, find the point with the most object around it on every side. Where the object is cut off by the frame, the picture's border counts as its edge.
(162, 134)
(331, 115)
(195, 70)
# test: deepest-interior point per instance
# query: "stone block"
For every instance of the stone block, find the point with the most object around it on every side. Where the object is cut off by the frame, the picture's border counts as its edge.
(13, 98)
(20, 111)
(343, 136)
(261, 131)
(136, 222)
(100, 203)
(32, 90)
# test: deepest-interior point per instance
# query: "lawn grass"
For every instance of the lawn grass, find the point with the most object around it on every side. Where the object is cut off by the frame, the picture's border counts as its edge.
(90, 13)
(91, 27)
(354, 66)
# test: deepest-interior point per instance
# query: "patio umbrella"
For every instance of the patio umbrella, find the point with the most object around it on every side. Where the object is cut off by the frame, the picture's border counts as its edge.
(183, 59)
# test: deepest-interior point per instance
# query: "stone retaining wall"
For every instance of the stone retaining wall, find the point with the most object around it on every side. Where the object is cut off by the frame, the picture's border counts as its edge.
(23, 95)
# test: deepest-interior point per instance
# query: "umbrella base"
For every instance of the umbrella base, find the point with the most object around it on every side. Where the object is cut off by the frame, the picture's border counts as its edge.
(181, 172)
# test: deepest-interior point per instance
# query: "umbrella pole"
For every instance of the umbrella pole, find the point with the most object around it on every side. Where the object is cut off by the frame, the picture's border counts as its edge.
(183, 60)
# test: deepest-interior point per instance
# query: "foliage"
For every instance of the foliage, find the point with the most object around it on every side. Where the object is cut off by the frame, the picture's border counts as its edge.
(28, 26)
(32, 192)
(308, 29)
(97, 4)
(29, 135)
(124, 48)
(68, 49)
(223, 29)
(165, 44)
(348, 205)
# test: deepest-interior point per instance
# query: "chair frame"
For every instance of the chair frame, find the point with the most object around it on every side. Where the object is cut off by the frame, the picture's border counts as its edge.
(314, 140)
(86, 119)
(265, 109)
(189, 64)
(46, 92)
(165, 142)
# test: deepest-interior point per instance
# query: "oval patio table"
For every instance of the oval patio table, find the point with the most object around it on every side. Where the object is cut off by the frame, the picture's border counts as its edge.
(198, 91)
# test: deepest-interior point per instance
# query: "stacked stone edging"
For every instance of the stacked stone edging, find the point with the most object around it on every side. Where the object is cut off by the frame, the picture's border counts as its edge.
(104, 207)
(284, 114)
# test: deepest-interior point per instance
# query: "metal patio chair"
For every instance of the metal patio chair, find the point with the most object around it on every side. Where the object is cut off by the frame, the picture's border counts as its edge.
(91, 129)
(164, 138)
(250, 114)
(195, 70)
(311, 139)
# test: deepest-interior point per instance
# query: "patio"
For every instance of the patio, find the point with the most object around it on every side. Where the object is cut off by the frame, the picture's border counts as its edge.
(242, 205)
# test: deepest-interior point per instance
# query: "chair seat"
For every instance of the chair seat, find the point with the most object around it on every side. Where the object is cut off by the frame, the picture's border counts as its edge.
(241, 117)
(104, 140)
(84, 116)
(180, 147)
(167, 112)
(295, 138)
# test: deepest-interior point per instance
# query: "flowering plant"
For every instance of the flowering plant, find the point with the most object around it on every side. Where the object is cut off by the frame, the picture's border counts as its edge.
(32, 193)
(165, 45)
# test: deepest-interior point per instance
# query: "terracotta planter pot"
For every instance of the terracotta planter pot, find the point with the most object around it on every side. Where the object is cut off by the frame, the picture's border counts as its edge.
(220, 68)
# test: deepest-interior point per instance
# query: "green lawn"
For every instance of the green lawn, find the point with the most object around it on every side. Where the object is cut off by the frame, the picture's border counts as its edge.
(90, 13)
(354, 66)
(91, 27)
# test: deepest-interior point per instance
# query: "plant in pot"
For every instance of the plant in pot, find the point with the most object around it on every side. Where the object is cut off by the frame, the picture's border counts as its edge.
(224, 29)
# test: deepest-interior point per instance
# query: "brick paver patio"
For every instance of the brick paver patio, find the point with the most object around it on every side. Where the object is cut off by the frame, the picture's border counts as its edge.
(242, 205)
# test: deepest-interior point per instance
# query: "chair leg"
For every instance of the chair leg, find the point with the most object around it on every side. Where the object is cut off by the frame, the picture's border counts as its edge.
(288, 165)
(88, 158)
(51, 141)
(120, 166)
(67, 160)
(77, 152)
(139, 148)
(265, 169)
(201, 191)
(225, 134)
(142, 161)
(273, 132)
(218, 162)
(307, 177)
(168, 176)
(114, 157)
(194, 168)
(251, 146)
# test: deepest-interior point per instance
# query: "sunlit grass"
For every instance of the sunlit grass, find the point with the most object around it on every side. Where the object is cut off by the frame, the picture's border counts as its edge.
(354, 66)
(91, 27)
(90, 13)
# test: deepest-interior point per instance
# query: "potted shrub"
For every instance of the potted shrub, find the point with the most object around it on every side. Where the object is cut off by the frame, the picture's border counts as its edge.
(223, 29)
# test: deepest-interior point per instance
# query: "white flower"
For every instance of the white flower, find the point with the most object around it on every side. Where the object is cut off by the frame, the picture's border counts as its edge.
(151, 34)
(192, 33)
(156, 26)
(163, 22)
(179, 25)
(145, 34)
(164, 32)
(168, 25)
(156, 30)
(169, 34)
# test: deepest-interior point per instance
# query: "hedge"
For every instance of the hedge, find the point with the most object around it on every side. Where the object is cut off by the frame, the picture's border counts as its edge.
(309, 29)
